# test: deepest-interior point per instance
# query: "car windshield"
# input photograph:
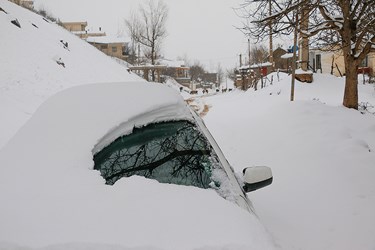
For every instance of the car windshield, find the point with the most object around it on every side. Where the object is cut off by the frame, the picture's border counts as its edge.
(170, 152)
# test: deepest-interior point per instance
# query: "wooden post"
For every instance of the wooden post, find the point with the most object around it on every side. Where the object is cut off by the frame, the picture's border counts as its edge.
(145, 74)
(158, 75)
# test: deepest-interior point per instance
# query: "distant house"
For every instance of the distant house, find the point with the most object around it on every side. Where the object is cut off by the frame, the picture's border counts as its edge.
(278, 59)
(248, 73)
(75, 26)
(175, 69)
(333, 62)
(111, 46)
(80, 29)
(263, 68)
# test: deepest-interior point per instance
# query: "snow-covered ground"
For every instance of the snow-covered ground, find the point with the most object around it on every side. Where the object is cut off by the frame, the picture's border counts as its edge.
(50, 196)
(29, 69)
(322, 156)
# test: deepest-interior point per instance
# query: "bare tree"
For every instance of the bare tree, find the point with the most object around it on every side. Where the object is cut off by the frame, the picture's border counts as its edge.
(258, 54)
(148, 27)
(197, 71)
(336, 25)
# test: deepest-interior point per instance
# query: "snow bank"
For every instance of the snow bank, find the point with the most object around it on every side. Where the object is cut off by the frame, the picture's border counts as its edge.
(322, 156)
(30, 71)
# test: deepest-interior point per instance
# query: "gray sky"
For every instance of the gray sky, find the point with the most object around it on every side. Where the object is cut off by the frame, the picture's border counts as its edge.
(200, 29)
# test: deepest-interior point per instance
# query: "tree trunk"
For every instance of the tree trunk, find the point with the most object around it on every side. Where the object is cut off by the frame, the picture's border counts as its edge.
(351, 84)
(304, 44)
(153, 62)
(351, 63)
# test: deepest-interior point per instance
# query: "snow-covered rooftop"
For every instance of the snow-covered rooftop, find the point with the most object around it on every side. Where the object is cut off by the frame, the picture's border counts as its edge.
(172, 63)
(287, 55)
(107, 39)
(259, 65)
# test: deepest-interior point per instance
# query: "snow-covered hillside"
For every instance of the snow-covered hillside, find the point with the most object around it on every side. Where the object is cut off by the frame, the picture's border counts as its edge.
(322, 156)
(35, 63)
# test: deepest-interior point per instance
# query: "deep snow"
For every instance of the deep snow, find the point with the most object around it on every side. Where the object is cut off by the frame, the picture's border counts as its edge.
(29, 69)
(322, 156)
(51, 195)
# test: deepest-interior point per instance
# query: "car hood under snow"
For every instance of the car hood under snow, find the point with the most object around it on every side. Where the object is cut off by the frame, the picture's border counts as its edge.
(51, 198)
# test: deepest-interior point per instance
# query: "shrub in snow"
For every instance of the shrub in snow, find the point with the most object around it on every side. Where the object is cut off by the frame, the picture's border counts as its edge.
(366, 107)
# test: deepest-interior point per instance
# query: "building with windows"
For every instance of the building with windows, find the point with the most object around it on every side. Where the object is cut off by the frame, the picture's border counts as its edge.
(75, 26)
(80, 29)
(111, 46)
(330, 62)
(165, 68)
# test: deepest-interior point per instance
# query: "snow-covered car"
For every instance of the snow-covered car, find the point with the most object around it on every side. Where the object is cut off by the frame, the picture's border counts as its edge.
(169, 185)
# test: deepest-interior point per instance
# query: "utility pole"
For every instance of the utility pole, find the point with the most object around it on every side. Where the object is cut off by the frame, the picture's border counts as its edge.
(294, 55)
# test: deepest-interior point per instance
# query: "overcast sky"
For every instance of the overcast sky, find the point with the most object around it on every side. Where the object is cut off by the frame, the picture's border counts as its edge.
(200, 29)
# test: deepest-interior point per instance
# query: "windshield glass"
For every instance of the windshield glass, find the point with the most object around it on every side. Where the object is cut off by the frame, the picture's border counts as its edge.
(170, 152)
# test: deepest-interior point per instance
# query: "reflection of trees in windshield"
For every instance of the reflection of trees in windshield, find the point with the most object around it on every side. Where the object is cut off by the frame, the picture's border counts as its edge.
(172, 152)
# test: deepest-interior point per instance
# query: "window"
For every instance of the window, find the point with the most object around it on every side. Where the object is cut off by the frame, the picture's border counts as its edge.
(114, 49)
(103, 46)
(170, 152)
(364, 63)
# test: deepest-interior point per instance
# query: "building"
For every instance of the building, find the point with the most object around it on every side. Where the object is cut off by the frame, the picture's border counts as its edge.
(278, 59)
(164, 67)
(75, 26)
(111, 46)
(249, 75)
(333, 62)
(176, 69)
(80, 29)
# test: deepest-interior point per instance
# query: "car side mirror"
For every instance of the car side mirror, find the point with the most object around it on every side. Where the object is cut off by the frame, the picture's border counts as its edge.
(256, 177)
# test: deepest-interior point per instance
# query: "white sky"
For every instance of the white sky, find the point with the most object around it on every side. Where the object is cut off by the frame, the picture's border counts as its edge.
(200, 29)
